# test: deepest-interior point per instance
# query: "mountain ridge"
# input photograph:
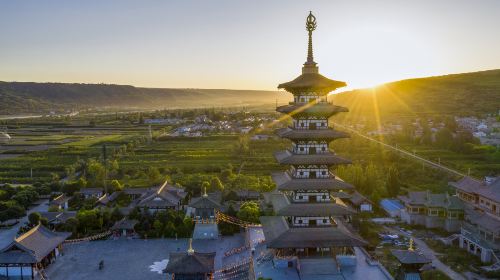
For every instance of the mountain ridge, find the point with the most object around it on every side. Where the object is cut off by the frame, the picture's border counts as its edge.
(458, 94)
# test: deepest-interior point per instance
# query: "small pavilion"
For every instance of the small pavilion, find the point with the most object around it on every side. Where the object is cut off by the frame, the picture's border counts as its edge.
(205, 208)
(191, 265)
(31, 252)
(412, 263)
(205, 216)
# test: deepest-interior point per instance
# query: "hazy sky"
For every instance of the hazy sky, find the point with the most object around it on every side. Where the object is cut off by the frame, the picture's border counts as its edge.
(243, 44)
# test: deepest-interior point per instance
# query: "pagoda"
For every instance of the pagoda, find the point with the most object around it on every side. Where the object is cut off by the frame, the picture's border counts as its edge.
(310, 219)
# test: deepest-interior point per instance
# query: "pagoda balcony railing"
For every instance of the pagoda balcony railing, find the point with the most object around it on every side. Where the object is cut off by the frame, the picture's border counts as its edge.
(307, 128)
(318, 152)
(311, 102)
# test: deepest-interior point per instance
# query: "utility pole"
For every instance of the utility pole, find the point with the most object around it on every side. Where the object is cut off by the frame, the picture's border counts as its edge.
(105, 164)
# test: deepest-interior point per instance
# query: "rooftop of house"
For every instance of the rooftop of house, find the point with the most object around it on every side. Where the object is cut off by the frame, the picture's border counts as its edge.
(165, 196)
(210, 200)
(59, 200)
(428, 199)
(482, 188)
(190, 263)
(124, 224)
(410, 257)
(32, 246)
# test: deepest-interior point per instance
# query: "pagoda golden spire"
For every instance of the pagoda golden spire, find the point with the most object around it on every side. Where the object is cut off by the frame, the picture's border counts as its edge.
(310, 65)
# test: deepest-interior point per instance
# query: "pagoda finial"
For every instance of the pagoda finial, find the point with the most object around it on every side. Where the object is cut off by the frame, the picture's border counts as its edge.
(411, 246)
(205, 192)
(190, 250)
(310, 65)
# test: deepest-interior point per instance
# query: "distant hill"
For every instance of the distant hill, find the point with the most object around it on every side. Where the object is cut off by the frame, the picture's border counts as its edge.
(474, 93)
(459, 94)
(27, 97)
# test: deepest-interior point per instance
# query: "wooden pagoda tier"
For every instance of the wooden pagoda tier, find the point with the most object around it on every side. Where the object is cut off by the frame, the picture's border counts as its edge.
(286, 182)
(283, 205)
(303, 134)
(279, 235)
(320, 109)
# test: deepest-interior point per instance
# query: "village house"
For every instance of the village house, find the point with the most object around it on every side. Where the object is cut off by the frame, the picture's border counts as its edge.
(60, 202)
(480, 233)
(164, 198)
(433, 210)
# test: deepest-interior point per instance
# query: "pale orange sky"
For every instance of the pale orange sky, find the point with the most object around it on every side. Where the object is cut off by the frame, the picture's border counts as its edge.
(243, 44)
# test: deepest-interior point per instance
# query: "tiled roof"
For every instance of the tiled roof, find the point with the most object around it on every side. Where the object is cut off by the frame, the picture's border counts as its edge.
(38, 241)
(298, 134)
(205, 202)
(124, 224)
(428, 199)
(279, 235)
(185, 263)
(357, 198)
(410, 257)
(59, 200)
(166, 196)
(473, 186)
(322, 108)
(287, 157)
(312, 82)
(285, 182)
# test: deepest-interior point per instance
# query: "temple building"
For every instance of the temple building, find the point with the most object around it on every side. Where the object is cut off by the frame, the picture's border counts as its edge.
(433, 210)
(480, 231)
(30, 253)
(191, 265)
(310, 218)
(412, 263)
(204, 213)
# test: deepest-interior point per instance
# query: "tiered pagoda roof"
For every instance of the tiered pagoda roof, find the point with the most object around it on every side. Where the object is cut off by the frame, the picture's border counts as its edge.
(285, 182)
(326, 109)
(280, 235)
(318, 134)
(287, 157)
(306, 219)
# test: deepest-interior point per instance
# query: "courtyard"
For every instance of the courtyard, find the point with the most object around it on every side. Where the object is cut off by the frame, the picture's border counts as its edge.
(135, 258)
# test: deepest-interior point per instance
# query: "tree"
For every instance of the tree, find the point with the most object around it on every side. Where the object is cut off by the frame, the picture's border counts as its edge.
(34, 218)
(249, 211)
(115, 184)
(154, 175)
(216, 184)
(95, 172)
(393, 183)
(444, 138)
(242, 147)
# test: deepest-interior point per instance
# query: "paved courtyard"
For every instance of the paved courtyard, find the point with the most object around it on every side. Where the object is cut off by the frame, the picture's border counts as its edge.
(134, 259)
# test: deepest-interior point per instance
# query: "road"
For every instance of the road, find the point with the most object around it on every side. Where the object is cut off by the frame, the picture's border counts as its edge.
(429, 253)
(7, 235)
(426, 161)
